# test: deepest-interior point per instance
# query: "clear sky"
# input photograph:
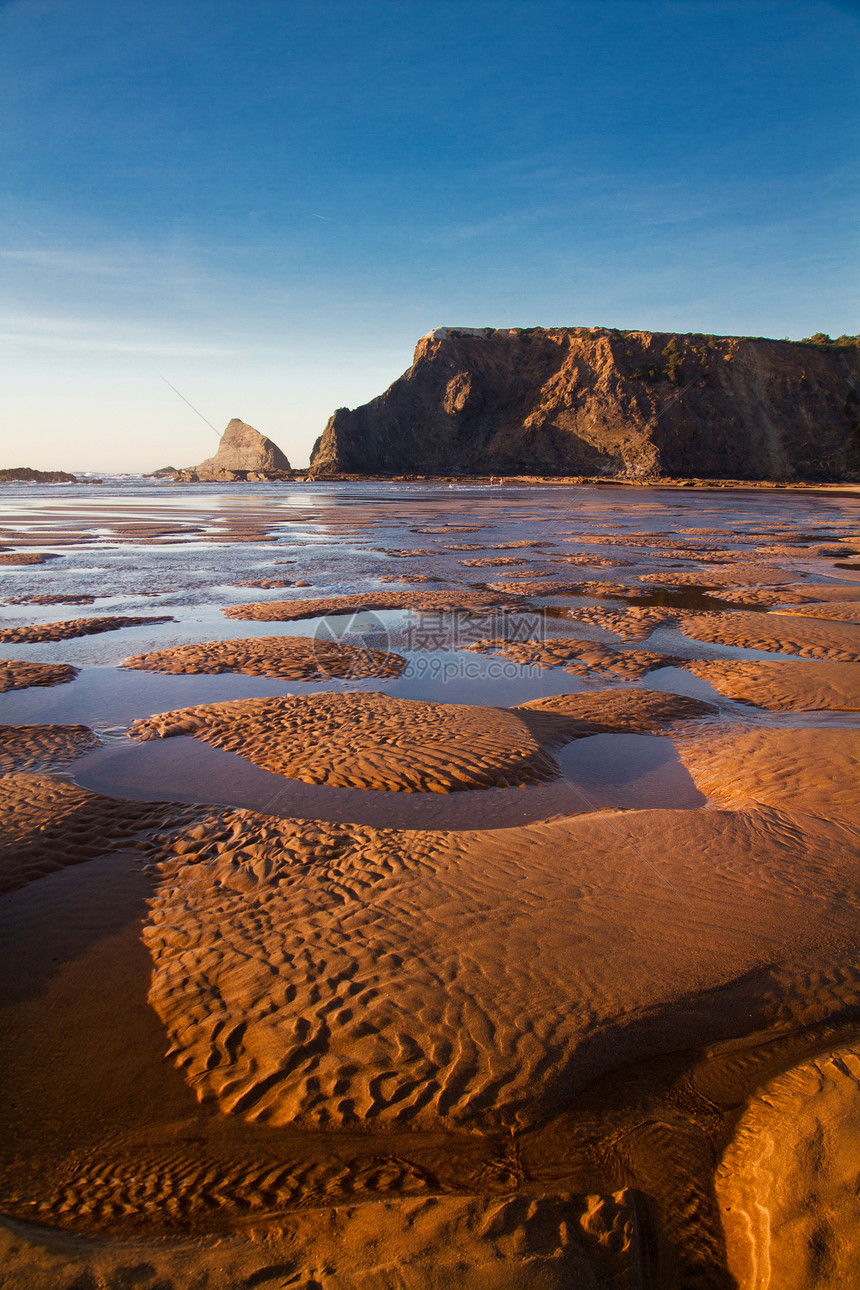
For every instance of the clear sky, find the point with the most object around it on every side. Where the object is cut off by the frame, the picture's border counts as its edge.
(267, 202)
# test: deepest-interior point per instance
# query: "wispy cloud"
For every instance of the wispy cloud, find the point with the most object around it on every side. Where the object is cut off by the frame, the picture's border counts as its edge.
(133, 266)
(67, 262)
(491, 226)
(72, 335)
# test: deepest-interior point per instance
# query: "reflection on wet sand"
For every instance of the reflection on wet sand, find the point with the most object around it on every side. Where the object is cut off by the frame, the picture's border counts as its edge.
(598, 773)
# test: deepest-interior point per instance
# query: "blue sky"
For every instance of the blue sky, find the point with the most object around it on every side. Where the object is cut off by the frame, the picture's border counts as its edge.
(267, 203)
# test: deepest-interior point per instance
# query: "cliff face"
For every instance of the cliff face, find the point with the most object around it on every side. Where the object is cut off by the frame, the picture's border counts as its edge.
(583, 401)
(243, 453)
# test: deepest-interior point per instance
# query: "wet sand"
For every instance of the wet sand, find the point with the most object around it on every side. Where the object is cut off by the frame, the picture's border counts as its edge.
(373, 741)
(296, 992)
(292, 657)
(16, 675)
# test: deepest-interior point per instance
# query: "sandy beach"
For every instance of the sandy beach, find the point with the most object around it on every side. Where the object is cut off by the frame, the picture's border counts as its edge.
(409, 885)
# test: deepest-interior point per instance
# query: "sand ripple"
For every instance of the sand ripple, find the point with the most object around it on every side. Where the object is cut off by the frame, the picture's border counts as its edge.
(58, 599)
(406, 577)
(634, 624)
(846, 611)
(41, 747)
(780, 633)
(297, 658)
(815, 770)
(374, 741)
(787, 1183)
(579, 657)
(795, 594)
(338, 975)
(293, 610)
(540, 587)
(15, 675)
(734, 575)
(368, 741)
(72, 627)
(492, 561)
(799, 687)
(519, 1241)
(557, 587)
(48, 824)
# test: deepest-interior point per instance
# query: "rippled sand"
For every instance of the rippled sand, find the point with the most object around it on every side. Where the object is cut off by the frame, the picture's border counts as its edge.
(67, 628)
(17, 675)
(373, 741)
(781, 633)
(785, 687)
(296, 658)
(608, 1046)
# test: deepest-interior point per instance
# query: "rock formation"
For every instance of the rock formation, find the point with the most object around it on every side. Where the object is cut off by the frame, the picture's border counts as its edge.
(243, 453)
(593, 401)
(26, 475)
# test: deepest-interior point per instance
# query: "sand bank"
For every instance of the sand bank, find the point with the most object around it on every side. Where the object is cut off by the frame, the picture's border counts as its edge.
(340, 975)
(15, 675)
(633, 624)
(845, 611)
(28, 557)
(373, 741)
(48, 824)
(787, 1182)
(784, 686)
(293, 610)
(298, 658)
(520, 1241)
(734, 575)
(779, 633)
(43, 747)
(72, 627)
(579, 657)
(58, 599)
(806, 769)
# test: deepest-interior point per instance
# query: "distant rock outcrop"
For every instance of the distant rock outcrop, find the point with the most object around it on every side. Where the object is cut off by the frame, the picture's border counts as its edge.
(26, 475)
(592, 401)
(243, 453)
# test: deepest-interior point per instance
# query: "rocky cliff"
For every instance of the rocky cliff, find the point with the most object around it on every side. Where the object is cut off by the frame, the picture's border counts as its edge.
(243, 453)
(591, 401)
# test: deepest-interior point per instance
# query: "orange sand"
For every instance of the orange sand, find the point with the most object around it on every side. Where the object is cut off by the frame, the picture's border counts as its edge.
(798, 687)
(15, 675)
(779, 633)
(616, 1049)
(72, 627)
(293, 610)
(579, 657)
(373, 741)
(787, 1182)
(43, 747)
(815, 770)
(299, 658)
(339, 975)
(845, 611)
(48, 824)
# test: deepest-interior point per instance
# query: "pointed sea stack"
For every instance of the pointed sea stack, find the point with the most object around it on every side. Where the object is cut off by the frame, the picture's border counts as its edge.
(243, 454)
